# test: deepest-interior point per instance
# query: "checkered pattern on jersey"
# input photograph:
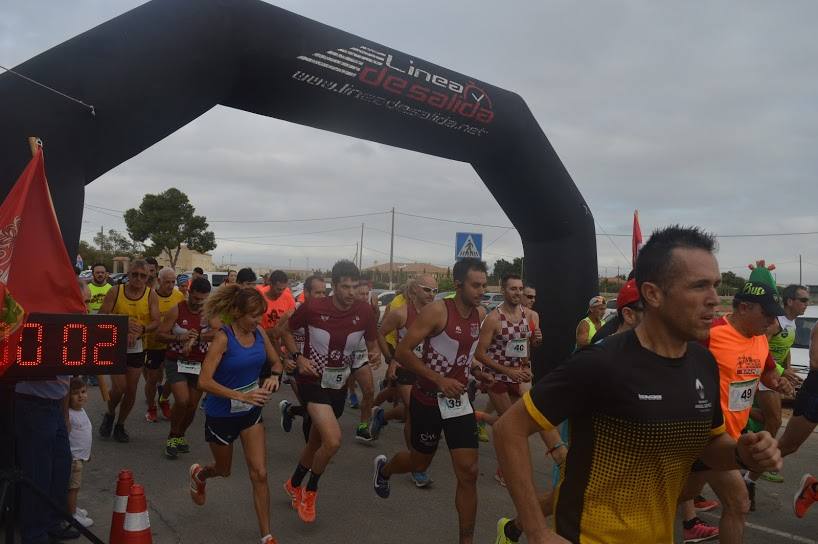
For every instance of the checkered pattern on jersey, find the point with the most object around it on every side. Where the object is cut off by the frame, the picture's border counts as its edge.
(197, 352)
(437, 361)
(320, 361)
(497, 349)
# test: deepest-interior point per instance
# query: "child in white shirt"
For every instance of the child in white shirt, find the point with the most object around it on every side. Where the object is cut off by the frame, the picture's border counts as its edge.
(80, 437)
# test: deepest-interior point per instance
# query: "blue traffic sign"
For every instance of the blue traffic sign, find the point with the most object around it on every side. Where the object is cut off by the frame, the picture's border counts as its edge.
(468, 244)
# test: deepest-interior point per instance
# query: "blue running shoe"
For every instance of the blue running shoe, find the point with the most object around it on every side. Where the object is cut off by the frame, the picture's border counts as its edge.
(378, 422)
(379, 482)
(353, 401)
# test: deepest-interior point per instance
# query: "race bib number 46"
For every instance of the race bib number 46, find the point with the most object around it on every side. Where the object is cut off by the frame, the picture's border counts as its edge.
(334, 378)
(450, 408)
(741, 395)
(517, 348)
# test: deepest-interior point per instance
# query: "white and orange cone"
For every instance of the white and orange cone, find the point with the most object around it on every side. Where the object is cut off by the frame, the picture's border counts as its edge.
(137, 525)
(123, 490)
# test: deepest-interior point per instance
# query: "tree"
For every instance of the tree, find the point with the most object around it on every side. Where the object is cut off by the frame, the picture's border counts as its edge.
(503, 267)
(730, 283)
(168, 220)
(116, 243)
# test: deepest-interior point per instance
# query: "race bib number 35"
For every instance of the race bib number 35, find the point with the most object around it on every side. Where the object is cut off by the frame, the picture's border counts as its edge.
(450, 408)
(334, 378)
(741, 395)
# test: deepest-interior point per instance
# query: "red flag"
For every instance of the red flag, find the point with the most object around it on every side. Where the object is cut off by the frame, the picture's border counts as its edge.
(36, 274)
(636, 240)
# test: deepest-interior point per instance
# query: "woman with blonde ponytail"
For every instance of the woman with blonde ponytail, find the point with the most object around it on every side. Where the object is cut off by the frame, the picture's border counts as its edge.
(240, 356)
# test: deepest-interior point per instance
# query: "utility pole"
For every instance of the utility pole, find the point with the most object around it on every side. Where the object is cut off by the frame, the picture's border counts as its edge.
(355, 257)
(800, 280)
(392, 250)
(361, 252)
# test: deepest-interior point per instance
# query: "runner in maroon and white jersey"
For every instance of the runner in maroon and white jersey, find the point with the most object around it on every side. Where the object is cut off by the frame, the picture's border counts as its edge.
(334, 327)
(449, 330)
(188, 336)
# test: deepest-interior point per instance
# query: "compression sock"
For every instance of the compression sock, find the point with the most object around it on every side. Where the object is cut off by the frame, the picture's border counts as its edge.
(312, 483)
(298, 475)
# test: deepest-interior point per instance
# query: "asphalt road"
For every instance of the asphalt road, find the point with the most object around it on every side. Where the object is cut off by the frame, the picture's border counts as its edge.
(348, 510)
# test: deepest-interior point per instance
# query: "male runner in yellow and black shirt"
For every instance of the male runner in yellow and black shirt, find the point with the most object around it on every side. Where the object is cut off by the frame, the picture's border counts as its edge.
(643, 406)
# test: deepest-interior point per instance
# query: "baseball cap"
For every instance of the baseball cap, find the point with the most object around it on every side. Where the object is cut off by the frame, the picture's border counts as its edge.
(598, 300)
(763, 294)
(627, 295)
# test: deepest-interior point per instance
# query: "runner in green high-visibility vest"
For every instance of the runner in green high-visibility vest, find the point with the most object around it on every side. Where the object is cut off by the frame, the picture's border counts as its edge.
(586, 329)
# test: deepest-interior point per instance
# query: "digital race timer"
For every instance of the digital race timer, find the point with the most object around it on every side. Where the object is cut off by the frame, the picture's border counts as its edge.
(53, 344)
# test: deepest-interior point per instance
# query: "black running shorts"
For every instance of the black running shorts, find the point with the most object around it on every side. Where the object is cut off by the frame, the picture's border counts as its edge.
(806, 401)
(427, 426)
(310, 392)
(224, 430)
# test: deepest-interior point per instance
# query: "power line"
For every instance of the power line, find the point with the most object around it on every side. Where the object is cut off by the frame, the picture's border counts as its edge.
(454, 221)
(295, 220)
(281, 245)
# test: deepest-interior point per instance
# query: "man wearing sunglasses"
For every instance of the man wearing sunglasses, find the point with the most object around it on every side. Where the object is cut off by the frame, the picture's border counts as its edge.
(140, 303)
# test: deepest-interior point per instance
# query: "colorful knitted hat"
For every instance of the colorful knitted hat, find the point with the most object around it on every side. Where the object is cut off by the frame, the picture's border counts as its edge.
(761, 273)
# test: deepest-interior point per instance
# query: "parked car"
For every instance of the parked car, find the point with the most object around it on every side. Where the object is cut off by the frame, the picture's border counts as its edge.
(491, 300)
(444, 294)
(610, 310)
(118, 278)
(215, 278)
(799, 353)
(384, 298)
(87, 275)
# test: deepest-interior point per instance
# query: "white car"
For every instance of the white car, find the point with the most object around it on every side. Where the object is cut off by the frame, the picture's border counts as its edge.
(799, 354)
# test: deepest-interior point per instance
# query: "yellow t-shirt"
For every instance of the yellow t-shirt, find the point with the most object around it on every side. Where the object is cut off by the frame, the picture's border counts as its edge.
(397, 302)
(165, 305)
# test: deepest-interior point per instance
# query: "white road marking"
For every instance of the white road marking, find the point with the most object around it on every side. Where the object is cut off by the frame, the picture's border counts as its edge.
(770, 531)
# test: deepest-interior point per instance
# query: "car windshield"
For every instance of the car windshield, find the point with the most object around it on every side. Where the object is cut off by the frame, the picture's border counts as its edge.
(385, 298)
(803, 331)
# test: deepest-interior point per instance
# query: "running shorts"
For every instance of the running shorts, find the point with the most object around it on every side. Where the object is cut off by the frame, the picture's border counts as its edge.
(427, 426)
(806, 401)
(224, 430)
(405, 377)
(512, 389)
(154, 358)
(135, 360)
(310, 392)
(172, 375)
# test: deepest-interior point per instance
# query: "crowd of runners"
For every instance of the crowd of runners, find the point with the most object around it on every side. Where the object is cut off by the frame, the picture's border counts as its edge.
(658, 401)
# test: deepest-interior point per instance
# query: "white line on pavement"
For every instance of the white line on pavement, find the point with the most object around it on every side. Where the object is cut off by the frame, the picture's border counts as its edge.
(768, 530)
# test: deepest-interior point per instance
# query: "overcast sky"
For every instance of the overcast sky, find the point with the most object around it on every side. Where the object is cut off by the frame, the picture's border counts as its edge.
(694, 112)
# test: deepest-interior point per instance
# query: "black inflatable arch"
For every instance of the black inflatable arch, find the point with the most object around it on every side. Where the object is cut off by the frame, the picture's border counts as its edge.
(158, 67)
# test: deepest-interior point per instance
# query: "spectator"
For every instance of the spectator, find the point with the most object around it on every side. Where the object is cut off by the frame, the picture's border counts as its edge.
(80, 437)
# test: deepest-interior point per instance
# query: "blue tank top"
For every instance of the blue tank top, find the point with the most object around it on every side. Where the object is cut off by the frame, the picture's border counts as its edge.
(240, 368)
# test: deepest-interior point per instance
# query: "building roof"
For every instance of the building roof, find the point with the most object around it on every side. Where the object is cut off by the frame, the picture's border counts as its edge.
(409, 268)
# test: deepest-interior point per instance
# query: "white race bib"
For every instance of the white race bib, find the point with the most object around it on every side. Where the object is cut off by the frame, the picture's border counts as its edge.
(335, 378)
(450, 408)
(517, 348)
(237, 406)
(742, 394)
(418, 351)
(188, 367)
(137, 346)
(361, 357)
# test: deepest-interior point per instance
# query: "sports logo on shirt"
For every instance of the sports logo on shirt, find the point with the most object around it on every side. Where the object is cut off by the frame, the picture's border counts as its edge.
(475, 330)
(355, 320)
(458, 330)
(335, 355)
(700, 389)
(324, 318)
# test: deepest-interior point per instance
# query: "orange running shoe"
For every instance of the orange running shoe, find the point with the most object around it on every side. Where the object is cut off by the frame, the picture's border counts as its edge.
(294, 493)
(150, 415)
(306, 508)
(164, 405)
(806, 495)
(197, 486)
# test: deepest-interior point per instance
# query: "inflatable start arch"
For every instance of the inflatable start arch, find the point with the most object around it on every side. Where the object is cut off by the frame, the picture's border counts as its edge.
(158, 67)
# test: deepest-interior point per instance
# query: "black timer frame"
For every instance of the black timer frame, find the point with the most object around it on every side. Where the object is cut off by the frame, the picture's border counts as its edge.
(50, 345)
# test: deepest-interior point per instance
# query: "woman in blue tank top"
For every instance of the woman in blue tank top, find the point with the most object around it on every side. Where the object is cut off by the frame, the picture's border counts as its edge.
(240, 356)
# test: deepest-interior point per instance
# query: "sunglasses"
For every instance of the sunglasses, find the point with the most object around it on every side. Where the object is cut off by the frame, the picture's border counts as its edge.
(431, 290)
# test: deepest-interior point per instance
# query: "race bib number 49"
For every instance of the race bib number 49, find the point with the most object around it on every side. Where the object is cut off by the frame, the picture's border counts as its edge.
(741, 395)
(450, 408)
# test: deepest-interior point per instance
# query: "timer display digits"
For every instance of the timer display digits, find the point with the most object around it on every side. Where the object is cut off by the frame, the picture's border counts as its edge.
(53, 344)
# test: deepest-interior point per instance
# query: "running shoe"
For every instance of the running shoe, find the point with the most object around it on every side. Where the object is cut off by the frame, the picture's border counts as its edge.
(353, 401)
(420, 479)
(501, 532)
(306, 508)
(197, 486)
(171, 451)
(362, 433)
(83, 520)
(773, 477)
(378, 422)
(286, 418)
(379, 482)
(120, 435)
(482, 432)
(751, 491)
(268, 539)
(164, 405)
(702, 504)
(699, 532)
(806, 495)
(498, 476)
(294, 493)
(107, 425)
(181, 445)
(150, 415)
(82, 511)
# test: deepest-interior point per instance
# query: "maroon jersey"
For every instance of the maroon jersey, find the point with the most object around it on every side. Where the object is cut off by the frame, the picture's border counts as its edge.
(510, 335)
(332, 335)
(411, 315)
(192, 322)
(450, 351)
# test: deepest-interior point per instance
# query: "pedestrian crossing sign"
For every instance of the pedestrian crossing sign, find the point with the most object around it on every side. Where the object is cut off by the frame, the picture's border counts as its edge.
(468, 245)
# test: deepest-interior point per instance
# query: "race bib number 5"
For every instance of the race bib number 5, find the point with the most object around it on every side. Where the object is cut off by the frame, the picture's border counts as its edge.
(517, 348)
(450, 408)
(334, 378)
(741, 395)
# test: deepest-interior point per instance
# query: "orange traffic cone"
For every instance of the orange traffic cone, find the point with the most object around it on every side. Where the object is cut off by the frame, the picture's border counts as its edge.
(137, 522)
(123, 489)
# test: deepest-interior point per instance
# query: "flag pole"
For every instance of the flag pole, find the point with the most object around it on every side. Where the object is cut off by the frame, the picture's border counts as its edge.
(34, 143)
